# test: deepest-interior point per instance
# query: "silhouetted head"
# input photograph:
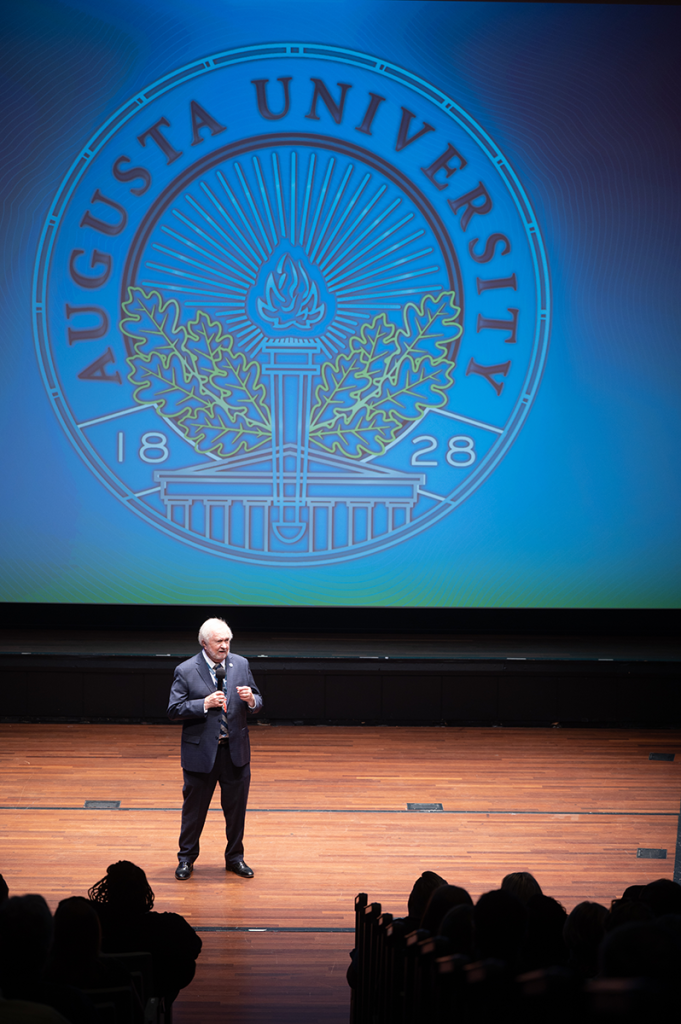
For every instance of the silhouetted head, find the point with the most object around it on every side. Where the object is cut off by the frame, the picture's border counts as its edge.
(662, 896)
(4, 890)
(457, 926)
(583, 932)
(522, 884)
(627, 912)
(77, 932)
(546, 919)
(124, 888)
(441, 900)
(640, 949)
(500, 926)
(632, 892)
(25, 941)
(421, 892)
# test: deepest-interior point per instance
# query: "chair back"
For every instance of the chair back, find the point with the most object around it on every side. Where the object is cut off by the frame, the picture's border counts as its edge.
(394, 947)
(382, 995)
(551, 993)
(367, 963)
(448, 980)
(491, 992)
(139, 966)
(121, 998)
(412, 953)
(628, 1001)
(429, 949)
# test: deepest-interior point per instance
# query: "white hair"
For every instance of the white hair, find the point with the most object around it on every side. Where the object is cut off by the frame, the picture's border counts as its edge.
(211, 627)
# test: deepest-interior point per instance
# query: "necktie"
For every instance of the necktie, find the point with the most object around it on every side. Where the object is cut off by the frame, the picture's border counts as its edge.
(220, 677)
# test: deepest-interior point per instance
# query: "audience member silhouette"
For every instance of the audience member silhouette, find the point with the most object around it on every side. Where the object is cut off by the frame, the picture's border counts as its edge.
(632, 892)
(76, 949)
(422, 889)
(627, 912)
(545, 946)
(123, 900)
(26, 930)
(641, 949)
(457, 928)
(583, 933)
(500, 927)
(441, 900)
(522, 884)
(662, 896)
(638, 940)
(25, 941)
(45, 961)
(417, 902)
(670, 926)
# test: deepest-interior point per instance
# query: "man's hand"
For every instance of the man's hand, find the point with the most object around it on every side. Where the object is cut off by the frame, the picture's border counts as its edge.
(246, 694)
(215, 700)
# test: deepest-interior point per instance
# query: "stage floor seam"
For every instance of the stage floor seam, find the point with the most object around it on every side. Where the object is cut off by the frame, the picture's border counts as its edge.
(337, 810)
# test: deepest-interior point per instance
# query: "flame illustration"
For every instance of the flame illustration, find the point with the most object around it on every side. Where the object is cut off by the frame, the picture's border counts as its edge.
(291, 298)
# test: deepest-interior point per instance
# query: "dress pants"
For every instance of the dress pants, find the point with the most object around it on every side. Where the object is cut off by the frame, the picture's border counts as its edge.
(197, 792)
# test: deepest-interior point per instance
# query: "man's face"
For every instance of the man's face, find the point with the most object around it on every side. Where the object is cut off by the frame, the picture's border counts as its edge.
(217, 646)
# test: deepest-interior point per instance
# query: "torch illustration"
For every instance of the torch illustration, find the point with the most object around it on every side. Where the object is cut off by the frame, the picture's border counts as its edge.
(291, 303)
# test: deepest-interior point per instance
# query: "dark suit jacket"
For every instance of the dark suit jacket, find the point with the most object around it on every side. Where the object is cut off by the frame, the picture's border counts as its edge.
(200, 731)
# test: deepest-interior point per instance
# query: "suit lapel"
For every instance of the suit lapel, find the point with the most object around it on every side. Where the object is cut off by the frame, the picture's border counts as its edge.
(204, 673)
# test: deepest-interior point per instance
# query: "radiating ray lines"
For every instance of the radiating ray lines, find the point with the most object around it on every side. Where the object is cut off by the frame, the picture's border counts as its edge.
(278, 186)
(370, 246)
(353, 268)
(212, 242)
(330, 262)
(308, 192)
(228, 265)
(237, 238)
(332, 210)
(320, 202)
(265, 202)
(237, 206)
(293, 200)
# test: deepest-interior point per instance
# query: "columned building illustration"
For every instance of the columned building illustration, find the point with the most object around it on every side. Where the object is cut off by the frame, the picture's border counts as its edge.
(236, 501)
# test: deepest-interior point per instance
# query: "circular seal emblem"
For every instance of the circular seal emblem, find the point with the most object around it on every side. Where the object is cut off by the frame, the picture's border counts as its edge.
(291, 304)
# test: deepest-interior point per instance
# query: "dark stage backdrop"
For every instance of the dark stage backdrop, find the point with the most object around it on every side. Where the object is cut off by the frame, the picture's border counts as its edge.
(340, 304)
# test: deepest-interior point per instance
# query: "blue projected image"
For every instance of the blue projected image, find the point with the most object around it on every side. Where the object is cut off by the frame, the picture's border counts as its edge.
(373, 306)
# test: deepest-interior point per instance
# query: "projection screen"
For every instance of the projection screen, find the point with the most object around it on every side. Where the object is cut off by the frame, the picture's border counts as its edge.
(364, 304)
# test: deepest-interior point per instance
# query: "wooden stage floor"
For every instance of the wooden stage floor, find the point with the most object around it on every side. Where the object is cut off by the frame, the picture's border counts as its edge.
(328, 818)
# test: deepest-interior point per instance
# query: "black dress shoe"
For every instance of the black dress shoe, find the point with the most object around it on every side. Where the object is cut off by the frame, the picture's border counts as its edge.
(239, 867)
(184, 870)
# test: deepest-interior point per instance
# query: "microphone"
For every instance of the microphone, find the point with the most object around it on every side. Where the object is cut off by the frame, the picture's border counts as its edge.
(220, 676)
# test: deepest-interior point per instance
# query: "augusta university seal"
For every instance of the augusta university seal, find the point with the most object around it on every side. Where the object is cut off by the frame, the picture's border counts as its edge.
(291, 304)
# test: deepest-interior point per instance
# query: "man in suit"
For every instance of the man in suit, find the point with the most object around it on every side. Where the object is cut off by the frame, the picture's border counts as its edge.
(212, 695)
